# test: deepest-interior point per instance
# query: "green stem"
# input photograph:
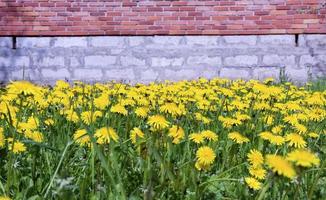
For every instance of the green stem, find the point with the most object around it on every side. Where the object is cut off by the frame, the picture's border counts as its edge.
(57, 169)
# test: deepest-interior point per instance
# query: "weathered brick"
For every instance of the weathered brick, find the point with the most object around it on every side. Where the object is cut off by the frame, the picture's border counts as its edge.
(119, 74)
(149, 75)
(88, 74)
(55, 61)
(183, 74)
(202, 40)
(164, 62)
(235, 73)
(204, 60)
(5, 42)
(54, 74)
(241, 61)
(99, 61)
(136, 40)
(31, 42)
(278, 61)
(166, 40)
(296, 75)
(132, 61)
(277, 40)
(107, 41)
(261, 73)
(70, 42)
(245, 40)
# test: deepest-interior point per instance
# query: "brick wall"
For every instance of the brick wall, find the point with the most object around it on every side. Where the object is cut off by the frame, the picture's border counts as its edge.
(161, 17)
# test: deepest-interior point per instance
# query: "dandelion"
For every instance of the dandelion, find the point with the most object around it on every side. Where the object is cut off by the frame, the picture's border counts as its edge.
(105, 134)
(82, 138)
(177, 133)
(102, 101)
(142, 112)
(16, 147)
(258, 173)
(197, 138)
(88, 116)
(36, 136)
(238, 138)
(158, 122)
(119, 109)
(205, 157)
(303, 158)
(255, 158)
(295, 140)
(134, 133)
(2, 138)
(209, 135)
(253, 183)
(280, 165)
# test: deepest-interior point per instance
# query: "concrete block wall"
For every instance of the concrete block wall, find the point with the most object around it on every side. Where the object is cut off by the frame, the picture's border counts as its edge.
(157, 58)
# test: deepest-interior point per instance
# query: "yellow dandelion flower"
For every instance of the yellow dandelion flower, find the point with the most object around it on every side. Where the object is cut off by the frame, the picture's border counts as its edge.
(82, 138)
(119, 109)
(265, 135)
(313, 135)
(197, 138)
(89, 117)
(49, 122)
(205, 156)
(259, 173)
(209, 135)
(36, 136)
(303, 158)
(280, 165)
(16, 147)
(142, 112)
(253, 183)
(295, 140)
(105, 134)
(134, 133)
(158, 122)
(177, 133)
(2, 138)
(301, 129)
(238, 138)
(255, 158)
(102, 101)
(276, 139)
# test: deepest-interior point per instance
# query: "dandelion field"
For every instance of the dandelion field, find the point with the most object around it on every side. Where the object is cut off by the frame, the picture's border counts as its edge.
(201, 139)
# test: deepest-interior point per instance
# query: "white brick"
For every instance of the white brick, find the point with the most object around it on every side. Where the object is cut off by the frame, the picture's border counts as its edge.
(278, 39)
(279, 61)
(32, 42)
(263, 73)
(89, 74)
(55, 61)
(296, 75)
(20, 61)
(5, 42)
(199, 60)
(26, 74)
(107, 41)
(119, 74)
(74, 62)
(132, 61)
(241, 61)
(166, 40)
(53, 74)
(163, 62)
(235, 73)
(99, 61)
(202, 40)
(307, 60)
(136, 40)
(149, 75)
(70, 42)
(247, 40)
(184, 74)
